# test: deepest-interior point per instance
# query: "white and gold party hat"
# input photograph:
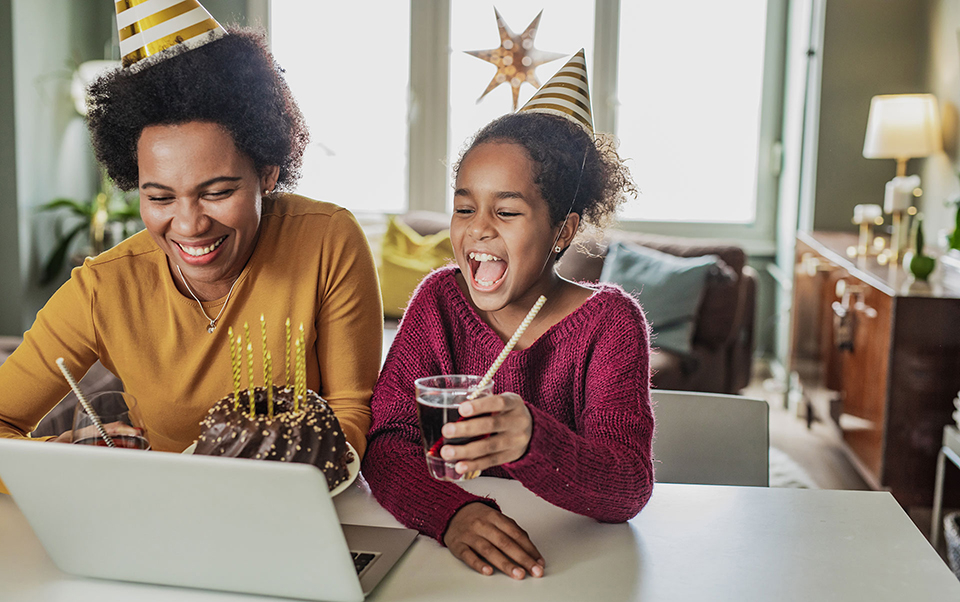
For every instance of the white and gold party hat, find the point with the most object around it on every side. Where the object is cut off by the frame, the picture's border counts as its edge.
(566, 94)
(149, 27)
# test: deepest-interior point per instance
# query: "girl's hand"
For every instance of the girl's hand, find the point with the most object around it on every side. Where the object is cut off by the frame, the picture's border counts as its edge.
(480, 536)
(508, 424)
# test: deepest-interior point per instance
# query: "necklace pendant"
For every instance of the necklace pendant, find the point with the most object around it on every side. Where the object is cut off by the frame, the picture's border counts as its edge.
(211, 328)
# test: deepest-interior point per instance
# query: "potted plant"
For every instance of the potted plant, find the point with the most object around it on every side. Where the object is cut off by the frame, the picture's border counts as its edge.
(103, 221)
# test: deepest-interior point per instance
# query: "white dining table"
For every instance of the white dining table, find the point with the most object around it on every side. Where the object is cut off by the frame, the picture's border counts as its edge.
(691, 542)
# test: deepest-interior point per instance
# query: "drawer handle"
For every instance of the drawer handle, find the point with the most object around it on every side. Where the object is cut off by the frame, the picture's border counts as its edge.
(865, 309)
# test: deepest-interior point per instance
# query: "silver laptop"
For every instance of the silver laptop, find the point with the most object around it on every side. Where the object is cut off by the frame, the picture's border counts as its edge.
(214, 523)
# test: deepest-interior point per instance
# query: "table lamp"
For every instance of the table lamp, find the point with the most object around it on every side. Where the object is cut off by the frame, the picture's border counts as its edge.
(902, 127)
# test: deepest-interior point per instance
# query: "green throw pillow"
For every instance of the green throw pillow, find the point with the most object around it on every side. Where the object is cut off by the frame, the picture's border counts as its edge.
(406, 257)
(668, 287)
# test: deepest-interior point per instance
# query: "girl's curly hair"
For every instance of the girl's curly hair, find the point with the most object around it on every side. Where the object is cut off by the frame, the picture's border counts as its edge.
(558, 148)
(232, 81)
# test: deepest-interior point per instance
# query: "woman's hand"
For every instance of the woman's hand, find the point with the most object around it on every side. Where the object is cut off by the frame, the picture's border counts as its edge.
(507, 421)
(114, 429)
(480, 536)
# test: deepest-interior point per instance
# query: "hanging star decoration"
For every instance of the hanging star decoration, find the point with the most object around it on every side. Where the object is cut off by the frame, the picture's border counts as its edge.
(516, 59)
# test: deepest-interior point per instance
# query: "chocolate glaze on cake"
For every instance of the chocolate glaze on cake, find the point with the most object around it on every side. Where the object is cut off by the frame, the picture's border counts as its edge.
(311, 435)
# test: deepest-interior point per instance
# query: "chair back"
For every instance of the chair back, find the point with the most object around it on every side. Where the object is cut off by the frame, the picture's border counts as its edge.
(711, 439)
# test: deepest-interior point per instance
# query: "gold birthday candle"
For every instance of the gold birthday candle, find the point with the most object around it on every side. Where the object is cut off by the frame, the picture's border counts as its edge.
(234, 368)
(263, 338)
(268, 383)
(302, 358)
(286, 358)
(233, 350)
(296, 377)
(253, 411)
(237, 369)
(246, 334)
(233, 364)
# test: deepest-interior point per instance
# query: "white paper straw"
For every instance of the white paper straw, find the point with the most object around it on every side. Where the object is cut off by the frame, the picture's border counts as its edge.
(83, 401)
(508, 347)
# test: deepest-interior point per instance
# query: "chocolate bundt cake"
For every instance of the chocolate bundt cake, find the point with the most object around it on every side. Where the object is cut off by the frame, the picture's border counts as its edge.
(311, 435)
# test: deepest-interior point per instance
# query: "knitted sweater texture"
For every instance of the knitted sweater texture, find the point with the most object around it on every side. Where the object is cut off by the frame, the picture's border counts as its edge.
(586, 382)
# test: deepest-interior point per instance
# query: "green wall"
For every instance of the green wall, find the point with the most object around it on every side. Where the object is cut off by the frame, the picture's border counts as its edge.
(10, 285)
(46, 151)
(869, 48)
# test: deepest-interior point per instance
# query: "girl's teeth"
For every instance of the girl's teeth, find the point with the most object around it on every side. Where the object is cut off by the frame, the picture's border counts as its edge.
(200, 251)
(484, 257)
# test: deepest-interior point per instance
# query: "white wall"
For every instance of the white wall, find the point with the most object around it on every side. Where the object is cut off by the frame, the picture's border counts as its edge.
(939, 173)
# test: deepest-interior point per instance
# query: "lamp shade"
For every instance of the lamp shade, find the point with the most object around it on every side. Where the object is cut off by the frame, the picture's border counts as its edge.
(902, 126)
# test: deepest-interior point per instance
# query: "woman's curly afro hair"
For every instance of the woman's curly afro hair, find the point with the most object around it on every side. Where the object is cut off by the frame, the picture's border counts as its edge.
(557, 146)
(232, 81)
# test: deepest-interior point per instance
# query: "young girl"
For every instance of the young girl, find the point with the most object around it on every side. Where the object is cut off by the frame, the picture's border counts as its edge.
(571, 419)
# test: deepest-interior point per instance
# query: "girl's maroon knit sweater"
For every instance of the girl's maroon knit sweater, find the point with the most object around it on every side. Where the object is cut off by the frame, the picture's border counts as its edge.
(586, 382)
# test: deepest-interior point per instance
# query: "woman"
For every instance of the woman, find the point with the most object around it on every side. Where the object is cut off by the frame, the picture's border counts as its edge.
(210, 136)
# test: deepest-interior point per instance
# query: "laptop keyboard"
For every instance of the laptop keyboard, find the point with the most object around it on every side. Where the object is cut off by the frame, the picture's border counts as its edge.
(361, 560)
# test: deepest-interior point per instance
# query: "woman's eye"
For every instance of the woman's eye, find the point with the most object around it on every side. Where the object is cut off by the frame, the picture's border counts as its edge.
(217, 194)
(160, 199)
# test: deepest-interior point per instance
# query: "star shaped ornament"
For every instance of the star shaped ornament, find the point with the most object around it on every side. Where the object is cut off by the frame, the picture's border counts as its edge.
(516, 59)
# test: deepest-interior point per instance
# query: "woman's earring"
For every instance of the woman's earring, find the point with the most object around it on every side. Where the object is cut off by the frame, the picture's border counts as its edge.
(557, 249)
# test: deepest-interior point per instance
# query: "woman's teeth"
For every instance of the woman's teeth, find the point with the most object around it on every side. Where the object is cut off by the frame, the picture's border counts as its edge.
(201, 251)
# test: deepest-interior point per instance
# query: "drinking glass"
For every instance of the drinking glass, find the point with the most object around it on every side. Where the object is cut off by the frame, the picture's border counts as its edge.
(438, 402)
(110, 406)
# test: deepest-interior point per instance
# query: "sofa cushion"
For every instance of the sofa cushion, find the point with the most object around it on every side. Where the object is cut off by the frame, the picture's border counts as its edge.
(718, 317)
(668, 287)
(406, 257)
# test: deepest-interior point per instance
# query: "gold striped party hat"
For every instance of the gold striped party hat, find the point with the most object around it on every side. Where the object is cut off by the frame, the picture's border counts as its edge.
(149, 27)
(566, 94)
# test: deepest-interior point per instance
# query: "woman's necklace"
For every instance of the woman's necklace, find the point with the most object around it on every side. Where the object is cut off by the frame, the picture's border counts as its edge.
(213, 321)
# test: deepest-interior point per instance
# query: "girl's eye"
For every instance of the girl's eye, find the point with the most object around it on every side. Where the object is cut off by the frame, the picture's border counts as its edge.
(507, 213)
(463, 211)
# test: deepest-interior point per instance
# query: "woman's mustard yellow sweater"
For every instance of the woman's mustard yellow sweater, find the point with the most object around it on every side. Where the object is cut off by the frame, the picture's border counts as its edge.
(312, 264)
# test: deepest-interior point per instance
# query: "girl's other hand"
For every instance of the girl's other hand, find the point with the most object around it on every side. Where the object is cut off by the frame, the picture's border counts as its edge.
(481, 536)
(114, 429)
(506, 425)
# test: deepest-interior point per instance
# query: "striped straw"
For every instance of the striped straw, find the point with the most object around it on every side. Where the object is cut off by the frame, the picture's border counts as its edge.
(83, 401)
(508, 347)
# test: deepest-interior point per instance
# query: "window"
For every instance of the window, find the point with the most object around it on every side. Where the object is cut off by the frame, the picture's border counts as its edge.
(350, 75)
(689, 112)
(690, 87)
(563, 29)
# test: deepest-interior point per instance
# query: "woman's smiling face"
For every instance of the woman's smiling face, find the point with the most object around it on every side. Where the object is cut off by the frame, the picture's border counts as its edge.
(501, 230)
(200, 199)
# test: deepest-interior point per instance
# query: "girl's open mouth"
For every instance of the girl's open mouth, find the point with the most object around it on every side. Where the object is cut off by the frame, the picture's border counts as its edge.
(486, 271)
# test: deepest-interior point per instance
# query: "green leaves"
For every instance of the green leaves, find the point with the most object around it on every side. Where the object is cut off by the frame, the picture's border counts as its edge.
(121, 207)
(54, 264)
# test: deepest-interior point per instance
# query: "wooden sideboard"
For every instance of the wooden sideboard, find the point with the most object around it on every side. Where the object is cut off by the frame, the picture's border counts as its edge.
(890, 349)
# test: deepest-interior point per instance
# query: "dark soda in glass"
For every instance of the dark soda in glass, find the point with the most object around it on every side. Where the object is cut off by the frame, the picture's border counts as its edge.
(438, 401)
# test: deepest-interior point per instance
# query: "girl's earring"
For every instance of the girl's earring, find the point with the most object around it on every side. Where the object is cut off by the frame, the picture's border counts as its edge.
(557, 249)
